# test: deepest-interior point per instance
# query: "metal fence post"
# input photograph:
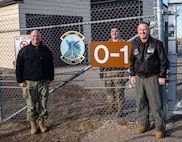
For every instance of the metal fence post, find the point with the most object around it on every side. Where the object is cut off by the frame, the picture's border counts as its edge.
(0, 100)
(172, 54)
(160, 22)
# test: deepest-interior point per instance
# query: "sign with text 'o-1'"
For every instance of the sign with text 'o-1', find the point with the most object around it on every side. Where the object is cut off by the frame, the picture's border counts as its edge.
(110, 54)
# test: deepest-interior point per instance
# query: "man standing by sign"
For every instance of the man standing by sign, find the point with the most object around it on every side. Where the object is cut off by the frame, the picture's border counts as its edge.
(114, 81)
(148, 65)
(34, 72)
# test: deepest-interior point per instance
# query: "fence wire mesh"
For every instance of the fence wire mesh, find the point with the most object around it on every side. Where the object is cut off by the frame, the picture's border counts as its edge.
(83, 93)
(179, 51)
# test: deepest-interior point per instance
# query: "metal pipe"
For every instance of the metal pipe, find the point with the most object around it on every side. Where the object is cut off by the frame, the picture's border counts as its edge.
(52, 90)
(80, 23)
(160, 22)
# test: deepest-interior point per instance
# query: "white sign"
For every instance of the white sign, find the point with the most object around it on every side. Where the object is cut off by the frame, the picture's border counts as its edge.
(21, 41)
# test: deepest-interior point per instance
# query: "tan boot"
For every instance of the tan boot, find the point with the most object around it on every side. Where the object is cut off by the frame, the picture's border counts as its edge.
(119, 112)
(33, 129)
(159, 134)
(110, 109)
(142, 129)
(41, 125)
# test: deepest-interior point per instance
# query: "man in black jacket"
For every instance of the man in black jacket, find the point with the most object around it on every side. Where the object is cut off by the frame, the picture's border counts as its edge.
(148, 68)
(34, 72)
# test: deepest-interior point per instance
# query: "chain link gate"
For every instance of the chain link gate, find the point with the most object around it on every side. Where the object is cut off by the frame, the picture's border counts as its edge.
(178, 107)
(77, 91)
(174, 55)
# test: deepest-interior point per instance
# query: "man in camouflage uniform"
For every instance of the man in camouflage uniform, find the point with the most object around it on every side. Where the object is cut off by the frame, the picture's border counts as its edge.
(115, 79)
(34, 72)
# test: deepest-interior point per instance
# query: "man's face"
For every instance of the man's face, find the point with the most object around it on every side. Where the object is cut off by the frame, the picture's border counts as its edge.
(114, 33)
(35, 38)
(143, 31)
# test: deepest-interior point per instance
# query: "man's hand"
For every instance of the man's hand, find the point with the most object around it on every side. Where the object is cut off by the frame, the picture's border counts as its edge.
(22, 84)
(133, 80)
(161, 81)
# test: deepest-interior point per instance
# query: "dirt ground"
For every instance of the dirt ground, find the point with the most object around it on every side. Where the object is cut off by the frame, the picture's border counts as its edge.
(69, 122)
(59, 131)
(76, 115)
(88, 130)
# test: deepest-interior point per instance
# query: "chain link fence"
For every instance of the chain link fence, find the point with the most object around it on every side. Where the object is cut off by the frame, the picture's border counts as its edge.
(179, 51)
(77, 90)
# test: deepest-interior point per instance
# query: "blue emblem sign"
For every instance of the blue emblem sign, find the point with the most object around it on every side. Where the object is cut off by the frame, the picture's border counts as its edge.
(72, 47)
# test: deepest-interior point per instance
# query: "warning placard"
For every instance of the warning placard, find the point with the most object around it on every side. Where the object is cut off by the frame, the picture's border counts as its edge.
(21, 41)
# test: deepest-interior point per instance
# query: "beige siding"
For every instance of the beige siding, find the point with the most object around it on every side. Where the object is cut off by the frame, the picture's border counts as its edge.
(9, 20)
(8, 11)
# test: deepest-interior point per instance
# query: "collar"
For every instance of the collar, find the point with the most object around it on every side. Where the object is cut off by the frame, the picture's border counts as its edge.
(40, 45)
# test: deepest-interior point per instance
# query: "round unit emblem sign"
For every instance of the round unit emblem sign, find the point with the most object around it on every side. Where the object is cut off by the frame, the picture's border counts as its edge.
(72, 47)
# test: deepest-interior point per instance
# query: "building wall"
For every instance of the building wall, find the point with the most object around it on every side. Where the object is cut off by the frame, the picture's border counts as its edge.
(57, 7)
(13, 17)
(60, 13)
(9, 20)
(18, 13)
(115, 10)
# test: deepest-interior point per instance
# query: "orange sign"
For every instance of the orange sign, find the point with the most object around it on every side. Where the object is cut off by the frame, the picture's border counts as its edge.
(110, 54)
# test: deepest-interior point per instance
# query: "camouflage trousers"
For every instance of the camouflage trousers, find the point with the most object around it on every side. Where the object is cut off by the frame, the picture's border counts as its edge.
(36, 95)
(115, 91)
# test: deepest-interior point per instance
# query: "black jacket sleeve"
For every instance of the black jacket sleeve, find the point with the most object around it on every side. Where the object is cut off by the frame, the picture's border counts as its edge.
(19, 68)
(132, 61)
(163, 61)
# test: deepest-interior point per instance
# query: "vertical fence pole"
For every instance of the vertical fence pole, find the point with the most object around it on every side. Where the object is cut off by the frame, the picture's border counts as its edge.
(0, 100)
(172, 54)
(160, 22)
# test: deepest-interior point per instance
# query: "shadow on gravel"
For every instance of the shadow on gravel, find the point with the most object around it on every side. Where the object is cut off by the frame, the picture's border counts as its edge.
(174, 119)
(140, 138)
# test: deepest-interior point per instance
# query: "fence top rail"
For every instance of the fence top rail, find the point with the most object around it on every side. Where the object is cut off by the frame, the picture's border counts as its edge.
(78, 23)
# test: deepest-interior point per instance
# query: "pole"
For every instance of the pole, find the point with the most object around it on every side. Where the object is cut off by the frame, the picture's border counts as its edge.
(160, 22)
(0, 100)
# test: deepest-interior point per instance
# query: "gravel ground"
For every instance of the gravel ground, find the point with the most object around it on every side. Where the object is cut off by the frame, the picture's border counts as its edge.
(112, 131)
(89, 130)
(69, 128)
